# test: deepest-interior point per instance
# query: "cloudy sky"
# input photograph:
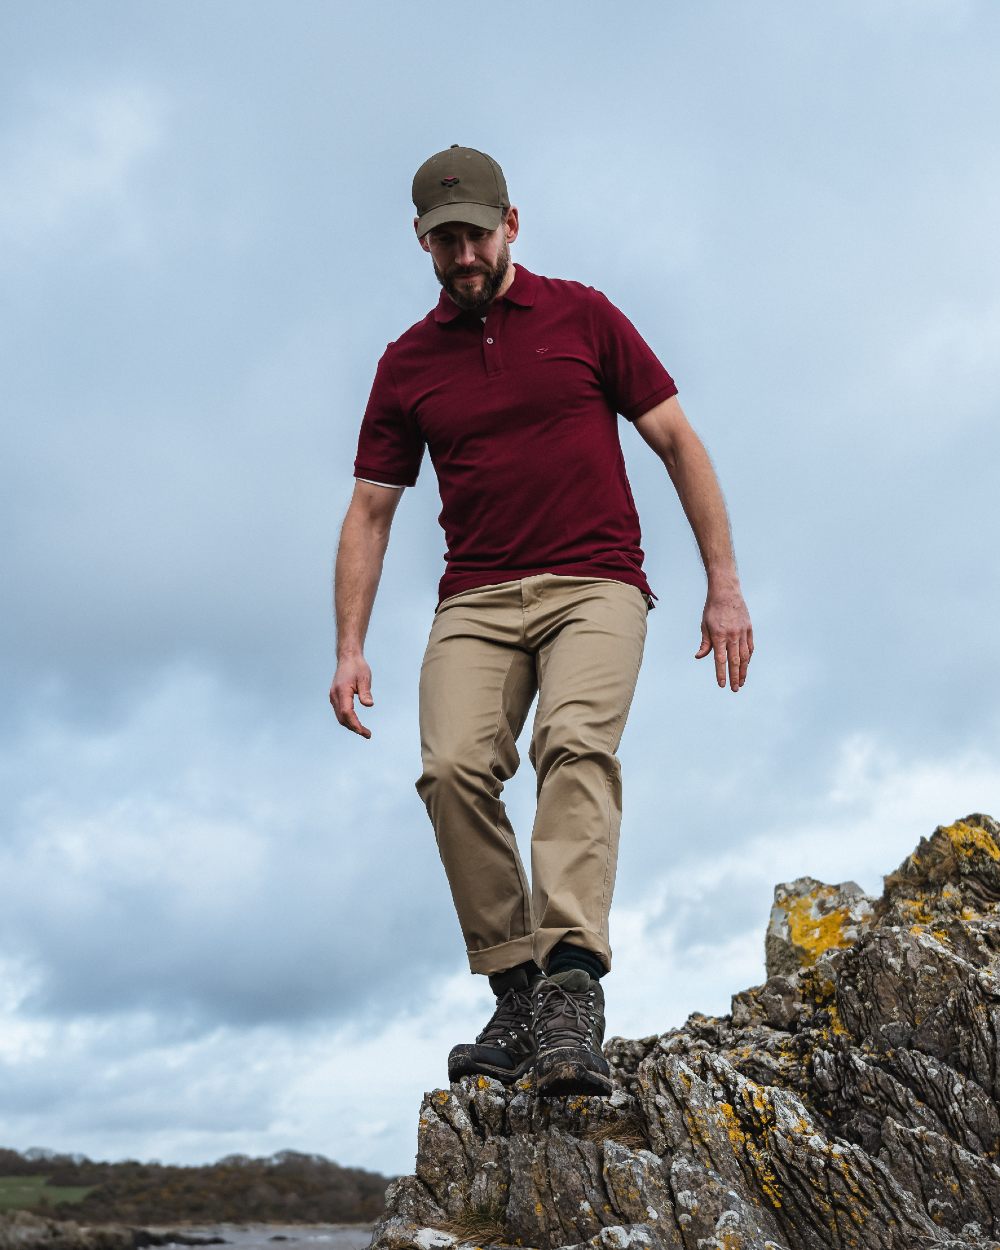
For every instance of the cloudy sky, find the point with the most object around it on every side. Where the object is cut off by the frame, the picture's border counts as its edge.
(223, 922)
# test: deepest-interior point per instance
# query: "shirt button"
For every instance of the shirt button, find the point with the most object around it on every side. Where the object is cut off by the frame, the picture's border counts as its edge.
(490, 341)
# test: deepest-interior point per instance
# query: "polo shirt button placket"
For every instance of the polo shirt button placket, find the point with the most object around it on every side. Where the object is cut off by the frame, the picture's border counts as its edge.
(491, 353)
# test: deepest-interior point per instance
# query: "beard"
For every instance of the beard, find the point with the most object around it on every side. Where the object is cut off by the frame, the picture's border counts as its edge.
(475, 300)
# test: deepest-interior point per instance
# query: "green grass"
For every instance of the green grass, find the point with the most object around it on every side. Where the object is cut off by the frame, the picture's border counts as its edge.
(17, 1192)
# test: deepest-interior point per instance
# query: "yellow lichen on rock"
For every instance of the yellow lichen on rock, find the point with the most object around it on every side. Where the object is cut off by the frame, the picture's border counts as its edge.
(818, 986)
(968, 839)
(769, 1185)
(741, 1142)
(836, 1024)
(919, 911)
(814, 933)
(735, 1134)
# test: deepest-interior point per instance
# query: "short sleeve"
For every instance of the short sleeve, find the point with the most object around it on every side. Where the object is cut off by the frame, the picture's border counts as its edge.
(633, 378)
(390, 445)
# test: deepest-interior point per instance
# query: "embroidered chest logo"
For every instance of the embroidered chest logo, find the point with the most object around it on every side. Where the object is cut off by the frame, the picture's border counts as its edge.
(541, 350)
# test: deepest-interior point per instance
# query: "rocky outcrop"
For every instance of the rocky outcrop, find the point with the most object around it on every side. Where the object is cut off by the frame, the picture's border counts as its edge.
(849, 1101)
(22, 1230)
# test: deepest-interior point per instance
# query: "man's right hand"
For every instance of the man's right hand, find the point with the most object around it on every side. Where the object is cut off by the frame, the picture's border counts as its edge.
(353, 677)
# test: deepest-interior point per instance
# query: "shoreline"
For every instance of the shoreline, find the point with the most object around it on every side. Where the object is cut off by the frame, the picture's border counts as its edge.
(23, 1230)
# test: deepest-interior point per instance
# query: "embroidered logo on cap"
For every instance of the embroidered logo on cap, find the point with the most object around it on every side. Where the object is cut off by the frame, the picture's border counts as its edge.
(450, 181)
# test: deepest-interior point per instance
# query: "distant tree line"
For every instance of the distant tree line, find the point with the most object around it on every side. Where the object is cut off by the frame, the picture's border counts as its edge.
(288, 1187)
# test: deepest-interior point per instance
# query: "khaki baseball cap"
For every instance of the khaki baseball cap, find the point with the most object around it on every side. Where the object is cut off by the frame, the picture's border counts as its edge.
(459, 184)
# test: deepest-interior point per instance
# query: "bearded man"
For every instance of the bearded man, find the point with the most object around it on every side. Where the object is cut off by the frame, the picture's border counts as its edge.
(514, 383)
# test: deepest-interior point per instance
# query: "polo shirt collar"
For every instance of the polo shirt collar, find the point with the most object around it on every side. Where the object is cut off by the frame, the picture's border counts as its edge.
(520, 292)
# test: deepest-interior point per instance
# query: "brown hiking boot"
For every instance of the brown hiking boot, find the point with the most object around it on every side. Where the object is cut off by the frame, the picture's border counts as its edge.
(569, 1029)
(505, 1048)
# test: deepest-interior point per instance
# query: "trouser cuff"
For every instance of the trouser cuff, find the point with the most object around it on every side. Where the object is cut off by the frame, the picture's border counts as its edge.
(506, 955)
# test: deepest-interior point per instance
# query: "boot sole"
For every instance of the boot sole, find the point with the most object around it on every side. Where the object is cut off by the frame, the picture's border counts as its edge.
(571, 1077)
(463, 1066)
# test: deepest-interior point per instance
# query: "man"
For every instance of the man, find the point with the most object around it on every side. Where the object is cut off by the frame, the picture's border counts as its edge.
(514, 382)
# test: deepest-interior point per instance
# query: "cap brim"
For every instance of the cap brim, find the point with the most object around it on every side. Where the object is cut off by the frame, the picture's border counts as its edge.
(486, 216)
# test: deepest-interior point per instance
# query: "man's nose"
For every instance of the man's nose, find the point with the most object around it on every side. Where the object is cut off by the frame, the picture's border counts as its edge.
(465, 253)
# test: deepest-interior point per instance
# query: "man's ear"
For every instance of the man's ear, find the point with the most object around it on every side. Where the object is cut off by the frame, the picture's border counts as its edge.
(422, 241)
(511, 224)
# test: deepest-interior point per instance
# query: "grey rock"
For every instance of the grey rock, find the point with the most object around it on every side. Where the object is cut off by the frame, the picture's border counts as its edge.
(20, 1230)
(409, 1211)
(849, 1101)
(23, 1230)
(809, 918)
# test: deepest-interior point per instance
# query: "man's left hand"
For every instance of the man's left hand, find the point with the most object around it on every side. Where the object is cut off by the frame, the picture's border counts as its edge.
(726, 631)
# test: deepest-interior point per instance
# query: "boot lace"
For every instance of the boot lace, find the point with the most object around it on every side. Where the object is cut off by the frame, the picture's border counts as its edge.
(563, 1018)
(511, 1020)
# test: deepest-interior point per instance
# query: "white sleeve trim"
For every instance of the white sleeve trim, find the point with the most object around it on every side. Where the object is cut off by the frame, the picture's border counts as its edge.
(390, 485)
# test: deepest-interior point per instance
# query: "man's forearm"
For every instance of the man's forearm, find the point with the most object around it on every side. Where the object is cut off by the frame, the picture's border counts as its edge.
(360, 556)
(698, 489)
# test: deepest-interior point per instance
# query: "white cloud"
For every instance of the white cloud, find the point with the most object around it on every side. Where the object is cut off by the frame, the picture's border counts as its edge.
(698, 937)
(194, 857)
(137, 1084)
(168, 1084)
(21, 1039)
(189, 854)
(70, 166)
(880, 803)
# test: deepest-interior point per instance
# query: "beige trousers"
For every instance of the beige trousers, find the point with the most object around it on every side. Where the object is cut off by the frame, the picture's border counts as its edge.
(577, 642)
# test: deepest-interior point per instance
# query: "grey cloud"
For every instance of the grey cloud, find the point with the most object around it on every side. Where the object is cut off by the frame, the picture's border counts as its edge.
(791, 207)
(212, 889)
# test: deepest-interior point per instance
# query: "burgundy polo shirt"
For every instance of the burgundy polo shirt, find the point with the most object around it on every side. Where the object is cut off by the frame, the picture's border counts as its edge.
(520, 418)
